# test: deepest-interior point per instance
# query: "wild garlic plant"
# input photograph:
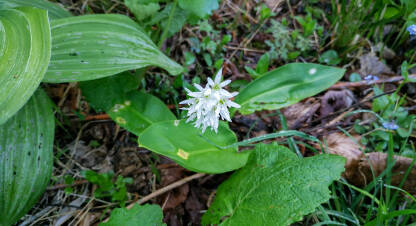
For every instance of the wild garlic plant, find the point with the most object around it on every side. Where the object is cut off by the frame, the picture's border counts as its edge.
(210, 103)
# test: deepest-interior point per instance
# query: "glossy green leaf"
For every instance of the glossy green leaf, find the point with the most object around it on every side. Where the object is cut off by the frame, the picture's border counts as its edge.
(274, 187)
(131, 109)
(95, 46)
(287, 85)
(183, 143)
(138, 216)
(200, 8)
(26, 157)
(138, 111)
(25, 49)
(54, 11)
(102, 94)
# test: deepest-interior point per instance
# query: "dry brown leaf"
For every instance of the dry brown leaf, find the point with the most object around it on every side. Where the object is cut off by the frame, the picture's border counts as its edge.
(359, 166)
(377, 161)
(339, 144)
(178, 195)
(300, 113)
(371, 64)
(335, 100)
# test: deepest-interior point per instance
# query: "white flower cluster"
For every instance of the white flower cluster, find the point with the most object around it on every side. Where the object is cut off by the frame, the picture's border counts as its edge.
(210, 103)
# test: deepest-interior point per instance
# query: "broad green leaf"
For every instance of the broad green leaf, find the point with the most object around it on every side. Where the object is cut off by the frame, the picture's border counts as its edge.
(200, 8)
(25, 50)
(95, 46)
(275, 187)
(102, 94)
(26, 157)
(54, 11)
(329, 57)
(140, 110)
(138, 216)
(177, 22)
(131, 109)
(287, 85)
(142, 9)
(183, 143)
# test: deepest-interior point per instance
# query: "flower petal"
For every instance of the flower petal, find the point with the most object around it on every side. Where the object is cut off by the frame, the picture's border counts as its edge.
(225, 83)
(199, 87)
(218, 76)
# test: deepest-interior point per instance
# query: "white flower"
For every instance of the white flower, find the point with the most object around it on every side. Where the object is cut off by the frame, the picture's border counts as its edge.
(208, 104)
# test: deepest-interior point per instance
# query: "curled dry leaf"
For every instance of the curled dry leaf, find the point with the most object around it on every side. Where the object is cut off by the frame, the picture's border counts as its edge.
(92, 158)
(301, 112)
(339, 144)
(378, 162)
(371, 65)
(177, 196)
(335, 100)
(358, 165)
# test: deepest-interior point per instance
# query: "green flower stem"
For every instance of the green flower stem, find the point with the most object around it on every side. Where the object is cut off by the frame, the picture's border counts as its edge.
(166, 30)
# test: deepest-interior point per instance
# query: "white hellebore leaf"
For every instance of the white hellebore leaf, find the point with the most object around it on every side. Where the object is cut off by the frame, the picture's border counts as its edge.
(210, 103)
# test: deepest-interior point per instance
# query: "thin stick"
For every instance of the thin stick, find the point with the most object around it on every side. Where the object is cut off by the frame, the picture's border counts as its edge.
(166, 189)
(60, 186)
(163, 190)
(343, 85)
(97, 117)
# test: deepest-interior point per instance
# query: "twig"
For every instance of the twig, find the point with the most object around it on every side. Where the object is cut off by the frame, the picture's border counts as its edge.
(245, 49)
(97, 117)
(167, 188)
(237, 8)
(344, 85)
(106, 116)
(60, 186)
(164, 189)
(247, 41)
(345, 109)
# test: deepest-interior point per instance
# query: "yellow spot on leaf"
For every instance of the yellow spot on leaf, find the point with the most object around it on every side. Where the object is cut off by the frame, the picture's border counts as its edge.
(176, 122)
(121, 120)
(183, 154)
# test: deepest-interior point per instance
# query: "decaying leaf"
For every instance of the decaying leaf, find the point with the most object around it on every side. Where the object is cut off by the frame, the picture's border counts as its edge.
(335, 100)
(359, 165)
(371, 65)
(342, 145)
(300, 113)
(177, 196)
(378, 161)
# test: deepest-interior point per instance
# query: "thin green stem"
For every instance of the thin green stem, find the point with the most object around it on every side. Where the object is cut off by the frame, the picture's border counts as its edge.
(166, 29)
(291, 141)
(390, 162)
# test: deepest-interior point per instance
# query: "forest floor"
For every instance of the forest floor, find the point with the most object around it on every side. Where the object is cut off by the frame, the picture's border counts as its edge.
(239, 35)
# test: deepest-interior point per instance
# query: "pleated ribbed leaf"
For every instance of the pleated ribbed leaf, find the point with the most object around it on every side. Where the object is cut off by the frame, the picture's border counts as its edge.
(54, 10)
(95, 46)
(274, 188)
(25, 48)
(26, 157)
